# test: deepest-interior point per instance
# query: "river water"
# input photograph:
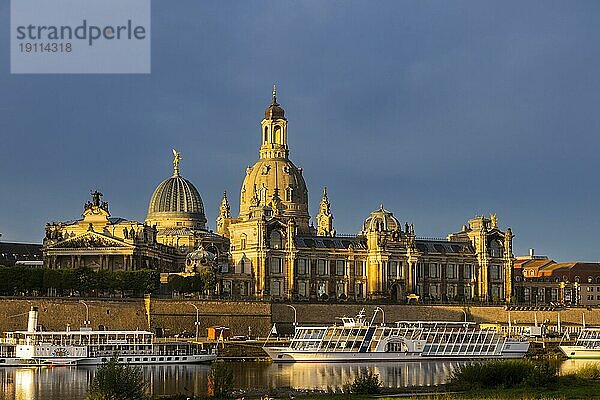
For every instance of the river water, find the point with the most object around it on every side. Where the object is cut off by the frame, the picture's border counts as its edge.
(71, 383)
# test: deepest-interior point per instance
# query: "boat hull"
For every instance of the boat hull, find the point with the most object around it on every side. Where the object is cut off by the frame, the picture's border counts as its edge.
(287, 355)
(127, 359)
(580, 352)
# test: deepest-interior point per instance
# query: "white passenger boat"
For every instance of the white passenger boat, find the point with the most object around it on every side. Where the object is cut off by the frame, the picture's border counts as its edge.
(93, 347)
(587, 345)
(359, 340)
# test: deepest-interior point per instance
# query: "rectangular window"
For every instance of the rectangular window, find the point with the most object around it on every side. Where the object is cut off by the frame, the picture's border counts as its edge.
(226, 287)
(360, 268)
(467, 292)
(433, 270)
(359, 289)
(450, 271)
(467, 272)
(276, 265)
(433, 291)
(322, 288)
(321, 267)
(302, 289)
(275, 288)
(495, 272)
(451, 292)
(392, 269)
(340, 267)
(340, 289)
(301, 266)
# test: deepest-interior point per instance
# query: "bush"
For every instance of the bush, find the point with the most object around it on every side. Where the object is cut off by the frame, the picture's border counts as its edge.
(364, 383)
(588, 372)
(220, 380)
(505, 374)
(117, 381)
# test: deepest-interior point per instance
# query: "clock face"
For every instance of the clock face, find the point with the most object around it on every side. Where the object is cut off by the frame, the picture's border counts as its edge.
(60, 352)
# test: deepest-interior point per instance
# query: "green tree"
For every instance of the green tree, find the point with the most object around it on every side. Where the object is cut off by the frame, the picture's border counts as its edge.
(177, 283)
(220, 380)
(117, 381)
(209, 279)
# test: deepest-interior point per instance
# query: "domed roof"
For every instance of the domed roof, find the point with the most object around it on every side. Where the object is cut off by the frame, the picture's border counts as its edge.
(268, 174)
(274, 110)
(381, 220)
(176, 199)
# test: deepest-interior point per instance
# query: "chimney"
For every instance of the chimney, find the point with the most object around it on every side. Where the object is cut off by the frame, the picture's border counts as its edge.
(32, 320)
(531, 253)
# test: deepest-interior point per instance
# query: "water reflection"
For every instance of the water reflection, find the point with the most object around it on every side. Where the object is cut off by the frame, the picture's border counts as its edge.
(71, 383)
(569, 366)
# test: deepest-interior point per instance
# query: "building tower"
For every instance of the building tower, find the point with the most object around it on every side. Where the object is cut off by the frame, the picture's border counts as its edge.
(274, 177)
(224, 217)
(273, 210)
(325, 217)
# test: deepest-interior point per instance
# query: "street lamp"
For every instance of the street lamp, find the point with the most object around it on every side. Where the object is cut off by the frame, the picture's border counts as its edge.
(197, 319)
(295, 314)
(382, 314)
(87, 314)
(464, 312)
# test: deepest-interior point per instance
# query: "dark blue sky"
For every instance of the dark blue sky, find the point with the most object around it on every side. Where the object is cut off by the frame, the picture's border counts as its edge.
(439, 110)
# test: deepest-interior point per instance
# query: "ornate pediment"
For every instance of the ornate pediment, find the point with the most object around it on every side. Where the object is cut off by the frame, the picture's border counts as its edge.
(90, 240)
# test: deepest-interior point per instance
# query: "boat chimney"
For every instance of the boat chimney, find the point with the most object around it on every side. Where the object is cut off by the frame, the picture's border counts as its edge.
(32, 320)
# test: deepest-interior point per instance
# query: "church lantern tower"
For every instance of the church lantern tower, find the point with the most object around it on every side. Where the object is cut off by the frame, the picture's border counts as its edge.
(325, 217)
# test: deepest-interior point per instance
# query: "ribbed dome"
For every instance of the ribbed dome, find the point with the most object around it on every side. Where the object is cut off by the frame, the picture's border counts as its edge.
(176, 198)
(381, 220)
(271, 174)
(274, 111)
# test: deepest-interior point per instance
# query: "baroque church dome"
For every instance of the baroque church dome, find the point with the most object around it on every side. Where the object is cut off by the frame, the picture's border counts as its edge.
(274, 179)
(176, 203)
(269, 174)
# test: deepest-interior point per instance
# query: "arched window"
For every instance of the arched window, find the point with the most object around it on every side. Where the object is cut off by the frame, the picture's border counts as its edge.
(276, 240)
(266, 138)
(243, 240)
(277, 135)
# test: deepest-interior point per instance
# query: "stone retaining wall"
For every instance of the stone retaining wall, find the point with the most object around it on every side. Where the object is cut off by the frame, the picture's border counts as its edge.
(174, 316)
(326, 313)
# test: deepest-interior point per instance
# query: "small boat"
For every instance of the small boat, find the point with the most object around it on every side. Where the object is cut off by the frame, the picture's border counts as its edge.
(94, 347)
(359, 340)
(587, 345)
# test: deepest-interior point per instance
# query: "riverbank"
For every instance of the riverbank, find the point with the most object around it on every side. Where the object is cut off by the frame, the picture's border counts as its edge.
(569, 388)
